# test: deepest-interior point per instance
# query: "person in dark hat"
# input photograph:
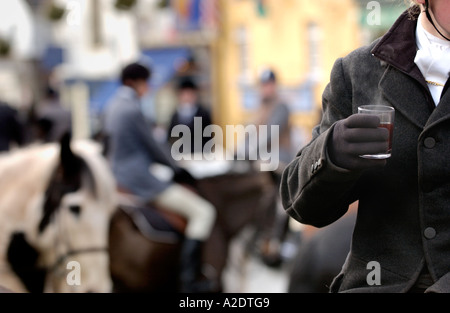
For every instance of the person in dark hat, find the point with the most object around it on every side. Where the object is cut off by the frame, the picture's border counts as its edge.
(132, 150)
(188, 109)
(401, 240)
(272, 111)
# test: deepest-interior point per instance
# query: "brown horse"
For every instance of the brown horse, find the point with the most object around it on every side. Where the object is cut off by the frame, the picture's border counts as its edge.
(144, 250)
(145, 244)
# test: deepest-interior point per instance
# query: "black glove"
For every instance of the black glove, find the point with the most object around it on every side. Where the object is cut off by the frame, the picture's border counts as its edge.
(183, 177)
(359, 134)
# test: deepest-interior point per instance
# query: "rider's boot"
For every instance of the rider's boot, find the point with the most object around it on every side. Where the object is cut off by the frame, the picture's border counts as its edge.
(191, 277)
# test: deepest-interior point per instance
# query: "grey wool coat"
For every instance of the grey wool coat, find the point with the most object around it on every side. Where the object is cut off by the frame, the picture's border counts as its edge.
(403, 219)
(132, 148)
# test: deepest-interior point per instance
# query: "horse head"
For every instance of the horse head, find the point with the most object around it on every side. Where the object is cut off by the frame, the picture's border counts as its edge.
(65, 226)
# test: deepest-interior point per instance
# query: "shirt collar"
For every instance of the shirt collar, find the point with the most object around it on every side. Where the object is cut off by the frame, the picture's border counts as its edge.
(427, 41)
(433, 60)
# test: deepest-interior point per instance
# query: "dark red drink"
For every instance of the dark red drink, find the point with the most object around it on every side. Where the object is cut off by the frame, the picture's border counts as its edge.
(390, 128)
(386, 115)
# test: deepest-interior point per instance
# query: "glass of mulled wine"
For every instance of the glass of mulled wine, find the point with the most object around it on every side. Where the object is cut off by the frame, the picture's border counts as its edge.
(386, 115)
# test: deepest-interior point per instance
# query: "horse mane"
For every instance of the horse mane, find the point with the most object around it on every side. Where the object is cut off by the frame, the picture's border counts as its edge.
(104, 181)
(81, 166)
(27, 172)
(27, 175)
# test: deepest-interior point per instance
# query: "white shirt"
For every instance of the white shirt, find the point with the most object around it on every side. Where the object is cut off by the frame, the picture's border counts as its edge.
(433, 60)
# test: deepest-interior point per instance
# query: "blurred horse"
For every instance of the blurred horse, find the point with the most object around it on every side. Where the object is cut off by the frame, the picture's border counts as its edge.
(321, 256)
(145, 242)
(56, 202)
(144, 249)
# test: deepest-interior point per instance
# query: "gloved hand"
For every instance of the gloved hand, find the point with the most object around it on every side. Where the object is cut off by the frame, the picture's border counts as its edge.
(359, 134)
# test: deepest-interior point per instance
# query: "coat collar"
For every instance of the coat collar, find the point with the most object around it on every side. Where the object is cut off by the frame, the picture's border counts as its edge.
(398, 48)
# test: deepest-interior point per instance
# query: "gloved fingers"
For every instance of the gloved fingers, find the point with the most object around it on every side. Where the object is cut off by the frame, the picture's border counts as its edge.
(362, 121)
(358, 163)
(360, 135)
(357, 149)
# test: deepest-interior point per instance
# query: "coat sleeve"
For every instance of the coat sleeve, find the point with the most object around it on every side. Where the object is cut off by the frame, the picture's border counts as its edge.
(313, 190)
(159, 152)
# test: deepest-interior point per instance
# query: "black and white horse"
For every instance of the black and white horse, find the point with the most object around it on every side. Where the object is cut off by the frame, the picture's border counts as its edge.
(56, 202)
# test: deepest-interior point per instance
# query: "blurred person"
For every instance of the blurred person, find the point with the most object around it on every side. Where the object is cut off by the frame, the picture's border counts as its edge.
(402, 235)
(132, 150)
(188, 109)
(273, 111)
(53, 120)
(11, 128)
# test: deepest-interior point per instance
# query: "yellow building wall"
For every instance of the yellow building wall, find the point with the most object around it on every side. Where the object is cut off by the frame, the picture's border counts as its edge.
(279, 40)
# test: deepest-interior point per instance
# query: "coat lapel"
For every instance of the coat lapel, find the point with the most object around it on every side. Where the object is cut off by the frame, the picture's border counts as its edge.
(442, 112)
(406, 96)
(403, 84)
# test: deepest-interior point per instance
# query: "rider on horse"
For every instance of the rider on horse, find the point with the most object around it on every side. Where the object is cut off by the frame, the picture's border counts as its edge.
(132, 150)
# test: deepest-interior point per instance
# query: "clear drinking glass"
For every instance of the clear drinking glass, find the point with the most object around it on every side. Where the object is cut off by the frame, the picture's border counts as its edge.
(386, 115)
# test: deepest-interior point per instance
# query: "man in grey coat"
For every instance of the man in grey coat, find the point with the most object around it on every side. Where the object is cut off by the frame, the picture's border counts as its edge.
(401, 240)
(132, 150)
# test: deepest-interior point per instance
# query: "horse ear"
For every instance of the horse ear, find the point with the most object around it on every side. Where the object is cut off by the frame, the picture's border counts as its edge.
(70, 163)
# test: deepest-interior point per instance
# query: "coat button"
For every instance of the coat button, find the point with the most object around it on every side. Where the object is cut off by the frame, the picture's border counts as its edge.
(429, 233)
(429, 143)
(319, 163)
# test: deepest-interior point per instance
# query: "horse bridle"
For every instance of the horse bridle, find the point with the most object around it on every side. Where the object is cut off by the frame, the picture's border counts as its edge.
(70, 253)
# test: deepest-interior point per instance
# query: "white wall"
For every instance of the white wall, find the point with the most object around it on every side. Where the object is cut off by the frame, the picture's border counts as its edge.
(16, 23)
(84, 59)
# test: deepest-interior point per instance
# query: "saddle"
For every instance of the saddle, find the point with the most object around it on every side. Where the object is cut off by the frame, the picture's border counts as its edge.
(154, 222)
